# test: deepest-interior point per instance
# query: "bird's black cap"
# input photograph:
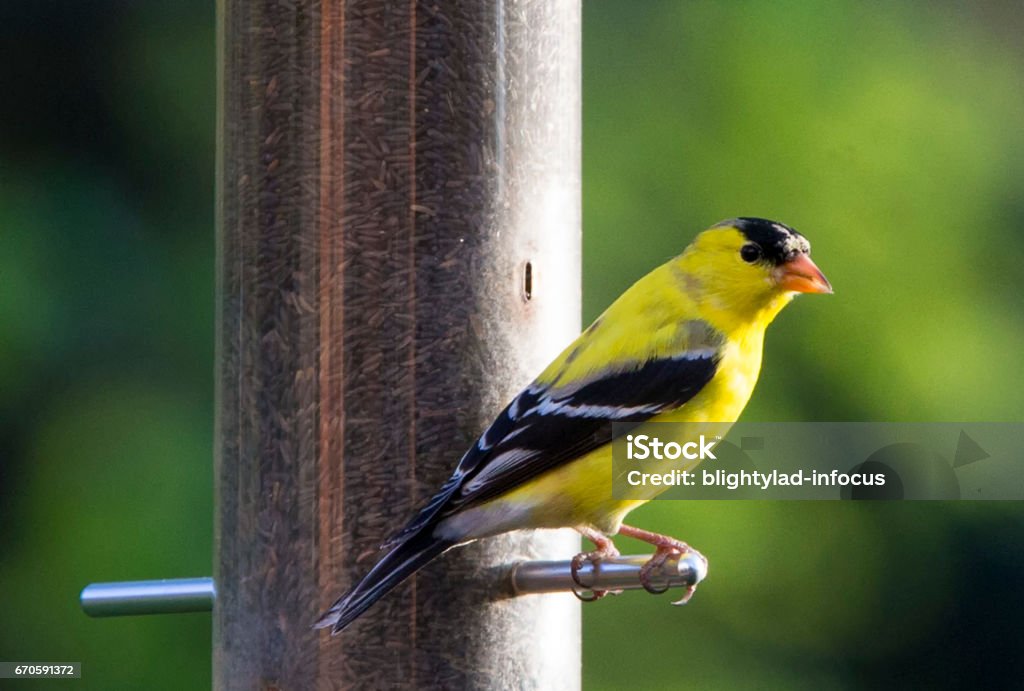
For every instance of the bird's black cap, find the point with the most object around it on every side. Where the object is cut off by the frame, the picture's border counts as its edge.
(778, 242)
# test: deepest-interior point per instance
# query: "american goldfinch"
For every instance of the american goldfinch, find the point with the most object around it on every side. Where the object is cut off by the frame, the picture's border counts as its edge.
(683, 344)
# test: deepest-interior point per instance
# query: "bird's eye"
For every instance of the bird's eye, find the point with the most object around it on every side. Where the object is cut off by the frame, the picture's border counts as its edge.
(750, 253)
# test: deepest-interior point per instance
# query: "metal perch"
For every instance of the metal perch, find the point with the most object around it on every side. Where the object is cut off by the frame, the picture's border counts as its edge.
(620, 573)
(166, 596)
(176, 595)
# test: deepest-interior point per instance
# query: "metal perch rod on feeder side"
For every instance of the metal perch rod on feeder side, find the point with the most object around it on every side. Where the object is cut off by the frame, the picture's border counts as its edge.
(167, 596)
(620, 573)
(197, 594)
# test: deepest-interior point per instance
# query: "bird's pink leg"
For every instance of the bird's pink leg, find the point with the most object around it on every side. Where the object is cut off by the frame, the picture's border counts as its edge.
(666, 547)
(605, 550)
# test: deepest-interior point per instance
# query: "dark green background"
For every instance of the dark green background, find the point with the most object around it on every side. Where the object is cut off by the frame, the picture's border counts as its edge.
(891, 134)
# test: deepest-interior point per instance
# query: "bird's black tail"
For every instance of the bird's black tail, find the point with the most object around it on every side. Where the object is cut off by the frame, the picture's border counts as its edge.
(404, 559)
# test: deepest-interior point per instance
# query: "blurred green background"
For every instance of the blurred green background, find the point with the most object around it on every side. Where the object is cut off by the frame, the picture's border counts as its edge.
(891, 134)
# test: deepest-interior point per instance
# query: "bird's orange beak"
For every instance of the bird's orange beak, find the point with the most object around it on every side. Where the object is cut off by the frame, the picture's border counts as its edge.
(802, 276)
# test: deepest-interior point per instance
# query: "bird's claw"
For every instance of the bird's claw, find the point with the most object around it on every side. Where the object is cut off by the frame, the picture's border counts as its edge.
(661, 555)
(667, 548)
(583, 591)
(690, 590)
(655, 563)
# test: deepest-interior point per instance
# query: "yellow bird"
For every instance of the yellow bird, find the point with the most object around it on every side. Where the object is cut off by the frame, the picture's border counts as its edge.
(683, 344)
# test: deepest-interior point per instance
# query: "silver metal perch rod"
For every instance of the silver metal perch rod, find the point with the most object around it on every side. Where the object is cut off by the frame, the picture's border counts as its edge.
(619, 573)
(167, 596)
(176, 595)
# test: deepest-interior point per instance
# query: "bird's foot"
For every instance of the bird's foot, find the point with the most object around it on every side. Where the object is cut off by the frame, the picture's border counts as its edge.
(666, 548)
(605, 550)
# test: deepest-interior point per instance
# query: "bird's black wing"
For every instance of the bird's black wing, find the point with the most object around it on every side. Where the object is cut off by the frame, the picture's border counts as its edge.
(556, 429)
(545, 426)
